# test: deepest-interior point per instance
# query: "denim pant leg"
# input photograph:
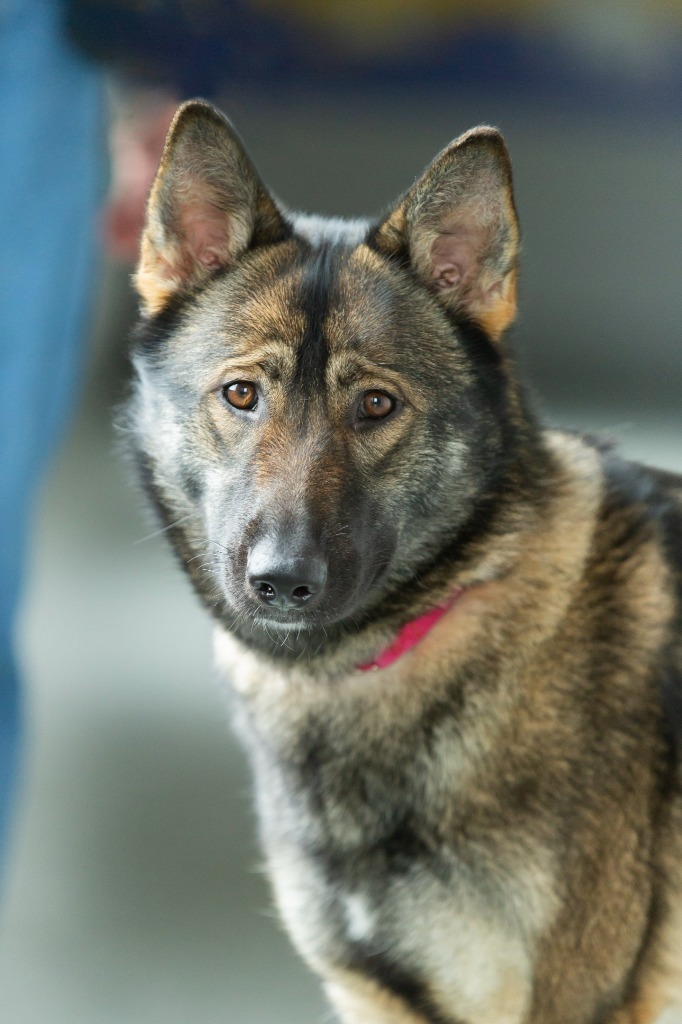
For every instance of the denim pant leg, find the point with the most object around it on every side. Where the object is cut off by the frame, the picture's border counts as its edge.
(50, 182)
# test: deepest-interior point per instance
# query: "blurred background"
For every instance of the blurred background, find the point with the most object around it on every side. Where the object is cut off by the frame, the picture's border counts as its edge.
(132, 890)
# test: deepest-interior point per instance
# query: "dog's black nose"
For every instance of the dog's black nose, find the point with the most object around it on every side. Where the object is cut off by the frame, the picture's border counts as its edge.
(282, 592)
(288, 582)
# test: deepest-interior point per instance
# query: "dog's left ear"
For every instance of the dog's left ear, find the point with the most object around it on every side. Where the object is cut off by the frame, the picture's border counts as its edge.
(459, 227)
(207, 206)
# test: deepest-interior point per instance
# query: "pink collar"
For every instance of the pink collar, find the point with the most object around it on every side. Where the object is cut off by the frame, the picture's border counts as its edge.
(411, 633)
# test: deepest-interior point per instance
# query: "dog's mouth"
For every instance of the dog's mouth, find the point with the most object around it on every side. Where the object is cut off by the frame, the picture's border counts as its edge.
(282, 627)
(293, 624)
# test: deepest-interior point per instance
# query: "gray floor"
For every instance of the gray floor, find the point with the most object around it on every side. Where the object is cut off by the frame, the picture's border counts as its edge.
(134, 893)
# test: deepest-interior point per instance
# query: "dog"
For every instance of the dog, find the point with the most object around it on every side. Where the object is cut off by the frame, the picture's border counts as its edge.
(453, 638)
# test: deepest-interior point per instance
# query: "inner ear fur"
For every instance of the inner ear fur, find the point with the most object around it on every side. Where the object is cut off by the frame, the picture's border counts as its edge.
(207, 205)
(458, 223)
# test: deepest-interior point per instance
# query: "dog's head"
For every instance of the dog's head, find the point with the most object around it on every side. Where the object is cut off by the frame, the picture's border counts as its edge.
(321, 407)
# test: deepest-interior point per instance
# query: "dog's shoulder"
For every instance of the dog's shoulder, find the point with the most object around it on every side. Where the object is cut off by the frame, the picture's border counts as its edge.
(651, 500)
(648, 499)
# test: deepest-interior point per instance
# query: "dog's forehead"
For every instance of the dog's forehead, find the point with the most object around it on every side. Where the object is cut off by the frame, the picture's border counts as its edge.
(369, 300)
(311, 314)
(342, 297)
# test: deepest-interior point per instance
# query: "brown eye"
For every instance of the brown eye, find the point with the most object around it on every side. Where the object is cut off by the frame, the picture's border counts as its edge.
(242, 394)
(376, 405)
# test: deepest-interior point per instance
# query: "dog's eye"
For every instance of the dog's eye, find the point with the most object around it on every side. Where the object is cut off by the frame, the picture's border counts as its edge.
(376, 405)
(241, 394)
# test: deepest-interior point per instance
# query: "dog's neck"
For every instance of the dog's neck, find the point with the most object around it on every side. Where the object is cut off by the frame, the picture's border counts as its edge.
(410, 634)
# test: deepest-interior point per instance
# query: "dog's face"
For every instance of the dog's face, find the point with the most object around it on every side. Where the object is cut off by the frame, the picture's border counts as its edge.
(320, 405)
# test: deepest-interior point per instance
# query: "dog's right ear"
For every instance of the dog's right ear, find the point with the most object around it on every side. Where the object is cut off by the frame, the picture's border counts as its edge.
(207, 206)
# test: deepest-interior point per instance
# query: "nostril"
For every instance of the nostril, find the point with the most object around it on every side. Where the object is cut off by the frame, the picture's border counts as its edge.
(265, 590)
(282, 593)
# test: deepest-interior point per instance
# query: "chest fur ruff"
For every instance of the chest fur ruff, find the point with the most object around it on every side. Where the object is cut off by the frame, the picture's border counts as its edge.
(371, 861)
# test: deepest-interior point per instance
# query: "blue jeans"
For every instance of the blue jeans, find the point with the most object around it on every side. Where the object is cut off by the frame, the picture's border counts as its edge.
(50, 183)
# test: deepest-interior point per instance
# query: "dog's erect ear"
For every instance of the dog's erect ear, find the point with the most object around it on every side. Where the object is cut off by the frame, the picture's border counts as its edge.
(206, 207)
(458, 224)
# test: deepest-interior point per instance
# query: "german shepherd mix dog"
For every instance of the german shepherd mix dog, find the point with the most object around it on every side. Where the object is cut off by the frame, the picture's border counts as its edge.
(453, 638)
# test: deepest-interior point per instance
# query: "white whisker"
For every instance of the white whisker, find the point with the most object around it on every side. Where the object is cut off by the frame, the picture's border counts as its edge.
(164, 529)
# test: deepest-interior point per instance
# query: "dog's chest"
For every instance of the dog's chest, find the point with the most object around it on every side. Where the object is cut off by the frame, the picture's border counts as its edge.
(370, 870)
(410, 931)
(364, 880)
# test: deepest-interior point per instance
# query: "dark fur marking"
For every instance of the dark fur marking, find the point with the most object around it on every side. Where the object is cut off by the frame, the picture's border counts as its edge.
(397, 855)
(441, 713)
(266, 233)
(150, 333)
(486, 360)
(191, 485)
(314, 296)
(628, 989)
(671, 702)
(322, 782)
(398, 981)
(309, 769)
(671, 683)
(403, 847)
(399, 257)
